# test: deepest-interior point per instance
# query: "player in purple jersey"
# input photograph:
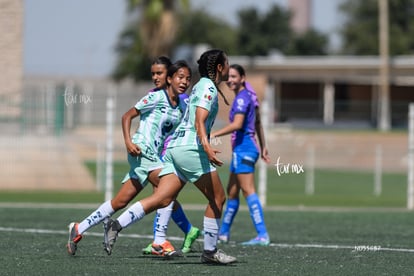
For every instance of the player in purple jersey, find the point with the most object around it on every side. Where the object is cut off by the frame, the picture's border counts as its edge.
(244, 124)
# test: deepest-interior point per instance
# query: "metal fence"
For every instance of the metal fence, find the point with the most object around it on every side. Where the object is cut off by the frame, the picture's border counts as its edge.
(60, 124)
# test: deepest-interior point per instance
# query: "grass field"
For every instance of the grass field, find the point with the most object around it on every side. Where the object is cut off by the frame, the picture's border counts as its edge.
(332, 188)
(303, 243)
(343, 229)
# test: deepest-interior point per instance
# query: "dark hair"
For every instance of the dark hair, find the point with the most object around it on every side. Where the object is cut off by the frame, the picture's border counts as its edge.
(207, 66)
(177, 66)
(239, 69)
(162, 60)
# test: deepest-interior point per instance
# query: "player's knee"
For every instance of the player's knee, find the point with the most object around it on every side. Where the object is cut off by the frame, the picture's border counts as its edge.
(164, 202)
(118, 204)
(220, 200)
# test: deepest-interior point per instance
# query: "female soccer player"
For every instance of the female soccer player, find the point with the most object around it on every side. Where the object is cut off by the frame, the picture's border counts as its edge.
(190, 157)
(160, 114)
(160, 245)
(244, 123)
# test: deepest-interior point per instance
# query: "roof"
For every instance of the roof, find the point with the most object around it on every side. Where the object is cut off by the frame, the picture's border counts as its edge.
(355, 69)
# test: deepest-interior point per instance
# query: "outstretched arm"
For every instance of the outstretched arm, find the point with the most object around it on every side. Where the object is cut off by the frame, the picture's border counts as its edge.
(233, 126)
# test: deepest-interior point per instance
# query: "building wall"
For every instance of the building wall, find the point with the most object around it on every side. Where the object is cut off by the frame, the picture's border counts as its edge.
(301, 15)
(11, 56)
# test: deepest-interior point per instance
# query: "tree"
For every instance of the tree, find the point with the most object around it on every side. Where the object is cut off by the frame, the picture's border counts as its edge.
(310, 43)
(130, 56)
(151, 33)
(154, 31)
(258, 35)
(360, 31)
(198, 27)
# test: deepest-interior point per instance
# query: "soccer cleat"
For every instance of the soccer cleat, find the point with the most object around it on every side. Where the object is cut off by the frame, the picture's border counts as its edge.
(257, 241)
(164, 249)
(217, 257)
(147, 250)
(189, 239)
(223, 239)
(111, 230)
(74, 238)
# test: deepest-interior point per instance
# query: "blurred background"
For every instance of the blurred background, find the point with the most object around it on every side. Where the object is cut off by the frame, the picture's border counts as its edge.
(334, 78)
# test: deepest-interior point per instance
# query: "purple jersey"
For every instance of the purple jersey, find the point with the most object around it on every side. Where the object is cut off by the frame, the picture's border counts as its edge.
(253, 93)
(244, 138)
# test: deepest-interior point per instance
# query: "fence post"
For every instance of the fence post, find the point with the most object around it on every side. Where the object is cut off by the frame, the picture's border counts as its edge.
(110, 114)
(266, 116)
(410, 177)
(378, 171)
(100, 163)
(262, 186)
(310, 172)
(60, 104)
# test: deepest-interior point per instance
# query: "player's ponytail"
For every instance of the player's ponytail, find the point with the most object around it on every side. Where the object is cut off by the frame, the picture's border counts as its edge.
(207, 66)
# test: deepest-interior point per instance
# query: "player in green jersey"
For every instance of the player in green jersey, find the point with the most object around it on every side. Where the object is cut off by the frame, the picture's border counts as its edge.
(190, 157)
(159, 113)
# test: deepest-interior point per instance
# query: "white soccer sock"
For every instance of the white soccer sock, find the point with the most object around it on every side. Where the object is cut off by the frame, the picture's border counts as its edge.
(103, 211)
(133, 214)
(161, 225)
(211, 227)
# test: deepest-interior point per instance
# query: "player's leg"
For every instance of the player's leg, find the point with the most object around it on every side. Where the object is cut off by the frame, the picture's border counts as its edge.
(128, 191)
(161, 245)
(160, 227)
(232, 207)
(246, 181)
(164, 195)
(210, 185)
(191, 232)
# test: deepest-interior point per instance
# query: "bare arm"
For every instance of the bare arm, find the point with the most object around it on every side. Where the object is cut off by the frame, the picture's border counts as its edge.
(260, 136)
(200, 118)
(233, 126)
(126, 128)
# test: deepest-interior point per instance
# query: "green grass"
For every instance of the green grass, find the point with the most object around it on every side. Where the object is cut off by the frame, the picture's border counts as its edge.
(303, 243)
(332, 188)
(338, 188)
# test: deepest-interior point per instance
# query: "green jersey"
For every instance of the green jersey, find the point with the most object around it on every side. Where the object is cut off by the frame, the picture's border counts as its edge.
(158, 120)
(204, 95)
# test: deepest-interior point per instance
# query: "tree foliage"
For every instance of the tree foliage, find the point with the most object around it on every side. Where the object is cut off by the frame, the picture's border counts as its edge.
(360, 31)
(130, 61)
(150, 33)
(261, 34)
(310, 43)
(157, 27)
(198, 27)
(258, 35)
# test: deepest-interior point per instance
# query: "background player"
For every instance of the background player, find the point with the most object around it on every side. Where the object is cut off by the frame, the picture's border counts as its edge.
(244, 123)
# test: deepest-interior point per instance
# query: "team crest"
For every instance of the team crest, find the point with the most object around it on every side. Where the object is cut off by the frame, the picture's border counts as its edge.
(240, 104)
